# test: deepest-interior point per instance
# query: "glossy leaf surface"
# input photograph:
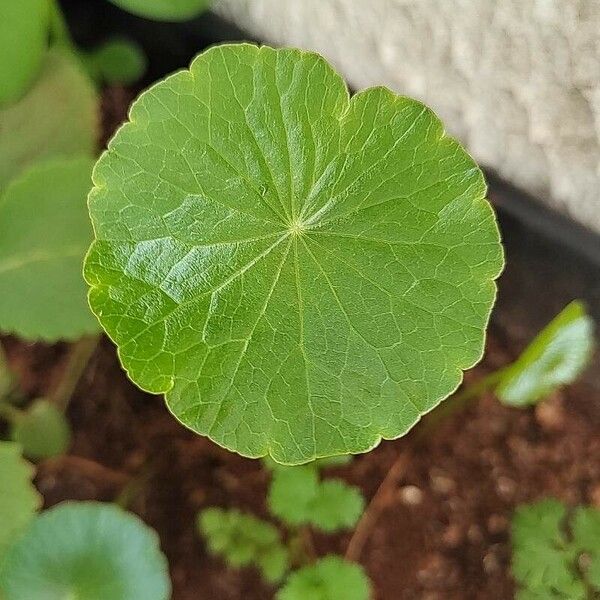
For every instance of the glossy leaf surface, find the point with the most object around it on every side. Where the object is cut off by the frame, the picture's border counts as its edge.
(302, 274)
(164, 10)
(44, 234)
(19, 500)
(88, 551)
(556, 357)
(23, 43)
(58, 116)
(330, 578)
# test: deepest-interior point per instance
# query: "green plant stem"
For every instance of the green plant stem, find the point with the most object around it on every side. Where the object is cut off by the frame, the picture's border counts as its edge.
(61, 36)
(301, 546)
(6, 377)
(9, 413)
(79, 357)
(132, 489)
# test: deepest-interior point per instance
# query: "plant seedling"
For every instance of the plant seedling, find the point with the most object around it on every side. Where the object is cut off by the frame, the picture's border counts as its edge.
(298, 497)
(240, 217)
(556, 552)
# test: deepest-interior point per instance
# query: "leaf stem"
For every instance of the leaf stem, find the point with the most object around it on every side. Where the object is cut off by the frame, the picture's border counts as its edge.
(9, 413)
(7, 380)
(59, 30)
(79, 356)
(136, 484)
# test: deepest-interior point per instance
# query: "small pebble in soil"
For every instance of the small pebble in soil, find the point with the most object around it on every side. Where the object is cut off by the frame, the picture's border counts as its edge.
(550, 415)
(410, 495)
(441, 483)
(437, 571)
(475, 534)
(491, 562)
(453, 536)
(506, 488)
(497, 524)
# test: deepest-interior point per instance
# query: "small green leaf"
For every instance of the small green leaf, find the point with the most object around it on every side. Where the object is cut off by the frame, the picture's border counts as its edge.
(330, 578)
(555, 358)
(88, 551)
(243, 540)
(543, 559)
(292, 491)
(23, 45)
(57, 117)
(297, 497)
(19, 500)
(303, 274)
(42, 430)
(586, 538)
(118, 61)
(164, 10)
(44, 234)
(337, 505)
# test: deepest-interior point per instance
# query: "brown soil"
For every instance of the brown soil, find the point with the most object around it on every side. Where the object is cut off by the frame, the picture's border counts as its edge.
(444, 535)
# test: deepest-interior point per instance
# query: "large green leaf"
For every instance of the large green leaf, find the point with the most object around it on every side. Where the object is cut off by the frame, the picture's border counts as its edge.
(58, 116)
(301, 273)
(330, 578)
(19, 500)
(87, 551)
(44, 234)
(164, 10)
(556, 357)
(23, 42)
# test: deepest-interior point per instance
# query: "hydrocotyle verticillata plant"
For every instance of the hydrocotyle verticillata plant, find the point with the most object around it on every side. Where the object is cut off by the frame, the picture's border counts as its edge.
(300, 272)
(88, 551)
(556, 552)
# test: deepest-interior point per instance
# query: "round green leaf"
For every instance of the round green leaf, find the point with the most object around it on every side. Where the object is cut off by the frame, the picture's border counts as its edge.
(337, 505)
(164, 10)
(19, 500)
(57, 117)
(42, 431)
(87, 551)
(118, 61)
(23, 43)
(330, 578)
(44, 234)
(556, 357)
(302, 274)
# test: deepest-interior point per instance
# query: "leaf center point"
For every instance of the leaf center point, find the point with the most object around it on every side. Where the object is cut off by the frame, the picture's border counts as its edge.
(296, 227)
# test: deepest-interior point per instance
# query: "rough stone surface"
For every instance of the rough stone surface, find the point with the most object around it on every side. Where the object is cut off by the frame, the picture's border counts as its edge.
(517, 81)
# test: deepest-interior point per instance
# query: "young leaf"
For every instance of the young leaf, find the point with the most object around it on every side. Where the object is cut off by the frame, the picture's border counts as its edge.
(86, 550)
(297, 497)
(23, 44)
(164, 10)
(118, 61)
(243, 540)
(19, 500)
(44, 234)
(57, 117)
(586, 538)
(42, 430)
(543, 559)
(555, 358)
(330, 578)
(302, 274)
(292, 491)
(337, 505)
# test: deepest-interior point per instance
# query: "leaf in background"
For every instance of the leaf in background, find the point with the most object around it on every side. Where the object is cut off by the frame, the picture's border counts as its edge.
(164, 10)
(243, 540)
(42, 430)
(543, 561)
(86, 550)
(302, 274)
(555, 358)
(330, 578)
(23, 44)
(44, 234)
(337, 505)
(19, 500)
(586, 538)
(117, 61)
(57, 117)
(291, 493)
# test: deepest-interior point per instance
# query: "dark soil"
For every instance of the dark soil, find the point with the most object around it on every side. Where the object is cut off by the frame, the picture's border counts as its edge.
(445, 533)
